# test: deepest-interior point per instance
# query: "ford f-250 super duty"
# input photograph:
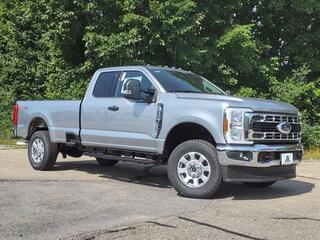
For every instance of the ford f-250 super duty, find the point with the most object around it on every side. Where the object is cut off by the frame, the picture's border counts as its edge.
(166, 116)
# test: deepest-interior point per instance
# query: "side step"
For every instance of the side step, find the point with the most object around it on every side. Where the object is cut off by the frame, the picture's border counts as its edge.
(123, 158)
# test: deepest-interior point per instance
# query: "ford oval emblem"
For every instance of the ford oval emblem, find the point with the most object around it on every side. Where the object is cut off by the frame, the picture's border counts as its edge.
(284, 127)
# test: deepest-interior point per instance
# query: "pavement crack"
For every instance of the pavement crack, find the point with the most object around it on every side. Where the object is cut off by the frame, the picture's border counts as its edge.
(220, 228)
(120, 230)
(92, 235)
(297, 218)
(161, 224)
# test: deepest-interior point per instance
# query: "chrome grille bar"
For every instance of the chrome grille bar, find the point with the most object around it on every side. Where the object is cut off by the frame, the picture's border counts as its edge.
(281, 118)
(263, 127)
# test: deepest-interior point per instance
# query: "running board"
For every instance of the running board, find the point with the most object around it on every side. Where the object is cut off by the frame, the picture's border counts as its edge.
(122, 158)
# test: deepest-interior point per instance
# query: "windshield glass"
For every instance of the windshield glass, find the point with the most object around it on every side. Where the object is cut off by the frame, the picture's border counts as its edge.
(178, 81)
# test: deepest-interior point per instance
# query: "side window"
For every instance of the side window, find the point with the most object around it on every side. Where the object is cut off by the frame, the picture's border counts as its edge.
(126, 75)
(106, 84)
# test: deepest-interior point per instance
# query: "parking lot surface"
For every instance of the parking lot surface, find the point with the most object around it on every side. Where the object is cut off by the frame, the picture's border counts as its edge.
(79, 199)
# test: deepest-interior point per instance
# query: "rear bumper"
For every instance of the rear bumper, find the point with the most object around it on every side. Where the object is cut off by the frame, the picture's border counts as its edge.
(257, 163)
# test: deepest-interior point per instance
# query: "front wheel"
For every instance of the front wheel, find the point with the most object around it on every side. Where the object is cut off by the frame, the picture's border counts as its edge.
(258, 184)
(42, 153)
(194, 170)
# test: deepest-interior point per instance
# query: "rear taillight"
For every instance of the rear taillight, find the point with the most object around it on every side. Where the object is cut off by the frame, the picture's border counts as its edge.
(15, 114)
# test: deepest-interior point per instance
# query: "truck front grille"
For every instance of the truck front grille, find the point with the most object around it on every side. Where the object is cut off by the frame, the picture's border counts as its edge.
(262, 127)
(272, 127)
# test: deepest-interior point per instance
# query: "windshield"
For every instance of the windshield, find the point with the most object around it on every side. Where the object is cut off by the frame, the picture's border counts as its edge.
(178, 81)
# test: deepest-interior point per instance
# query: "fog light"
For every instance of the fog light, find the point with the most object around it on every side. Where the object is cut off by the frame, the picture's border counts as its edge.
(240, 155)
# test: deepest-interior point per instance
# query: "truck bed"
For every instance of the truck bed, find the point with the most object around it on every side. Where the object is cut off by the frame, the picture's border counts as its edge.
(62, 117)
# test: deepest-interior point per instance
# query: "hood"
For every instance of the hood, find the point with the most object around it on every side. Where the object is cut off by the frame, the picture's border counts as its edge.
(256, 104)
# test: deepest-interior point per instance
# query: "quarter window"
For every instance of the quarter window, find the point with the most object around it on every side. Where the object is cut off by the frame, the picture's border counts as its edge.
(106, 84)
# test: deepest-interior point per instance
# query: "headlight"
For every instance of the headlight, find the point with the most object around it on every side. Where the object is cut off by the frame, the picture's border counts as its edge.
(234, 125)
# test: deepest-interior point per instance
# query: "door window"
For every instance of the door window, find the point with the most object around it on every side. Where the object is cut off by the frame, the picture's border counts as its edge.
(106, 84)
(144, 82)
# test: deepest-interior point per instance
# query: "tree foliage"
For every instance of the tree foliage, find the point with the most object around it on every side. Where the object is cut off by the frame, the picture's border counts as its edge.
(270, 49)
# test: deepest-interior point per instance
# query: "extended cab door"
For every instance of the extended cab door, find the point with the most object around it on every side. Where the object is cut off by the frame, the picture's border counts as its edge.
(94, 108)
(131, 123)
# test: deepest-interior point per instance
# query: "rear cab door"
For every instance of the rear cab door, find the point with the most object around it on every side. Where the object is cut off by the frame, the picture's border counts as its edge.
(94, 108)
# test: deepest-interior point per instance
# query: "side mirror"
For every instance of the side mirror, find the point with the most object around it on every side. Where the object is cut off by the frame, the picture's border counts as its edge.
(131, 89)
(148, 94)
(150, 91)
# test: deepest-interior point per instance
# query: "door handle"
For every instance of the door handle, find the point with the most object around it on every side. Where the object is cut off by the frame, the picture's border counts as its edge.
(113, 108)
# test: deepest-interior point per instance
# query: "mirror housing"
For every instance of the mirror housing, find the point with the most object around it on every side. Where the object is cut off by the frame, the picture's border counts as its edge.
(131, 89)
(148, 94)
(150, 91)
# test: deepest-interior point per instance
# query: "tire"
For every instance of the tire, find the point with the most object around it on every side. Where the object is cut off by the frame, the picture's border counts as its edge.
(258, 184)
(42, 153)
(105, 162)
(197, 178)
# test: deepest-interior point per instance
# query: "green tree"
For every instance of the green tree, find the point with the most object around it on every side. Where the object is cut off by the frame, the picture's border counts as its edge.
(50, 48)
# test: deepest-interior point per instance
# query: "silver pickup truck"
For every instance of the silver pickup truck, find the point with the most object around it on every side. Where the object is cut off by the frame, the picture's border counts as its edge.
(168, 116)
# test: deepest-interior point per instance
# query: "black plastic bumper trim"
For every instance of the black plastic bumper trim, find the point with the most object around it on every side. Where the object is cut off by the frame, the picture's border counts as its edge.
(254, 174)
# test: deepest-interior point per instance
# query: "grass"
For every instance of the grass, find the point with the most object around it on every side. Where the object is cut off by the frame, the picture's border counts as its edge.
(312, 154)
(8, 141)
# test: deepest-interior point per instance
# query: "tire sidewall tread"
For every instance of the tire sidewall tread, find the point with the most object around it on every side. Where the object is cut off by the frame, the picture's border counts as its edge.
(209, 151)
(50, 151)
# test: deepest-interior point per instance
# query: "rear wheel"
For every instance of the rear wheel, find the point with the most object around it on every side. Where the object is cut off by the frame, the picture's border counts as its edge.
(105, 162)
(258, 184)
(194, 170)
(42, 153)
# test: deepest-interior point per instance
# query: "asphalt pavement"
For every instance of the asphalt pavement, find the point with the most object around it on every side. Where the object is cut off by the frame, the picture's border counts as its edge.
(79, 199)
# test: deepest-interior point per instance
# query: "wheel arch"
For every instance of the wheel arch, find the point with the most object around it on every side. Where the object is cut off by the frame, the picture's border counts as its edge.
(37, 123)
(184, 131)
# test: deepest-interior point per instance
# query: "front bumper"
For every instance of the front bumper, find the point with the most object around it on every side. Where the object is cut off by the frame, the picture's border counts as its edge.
(257, 163)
